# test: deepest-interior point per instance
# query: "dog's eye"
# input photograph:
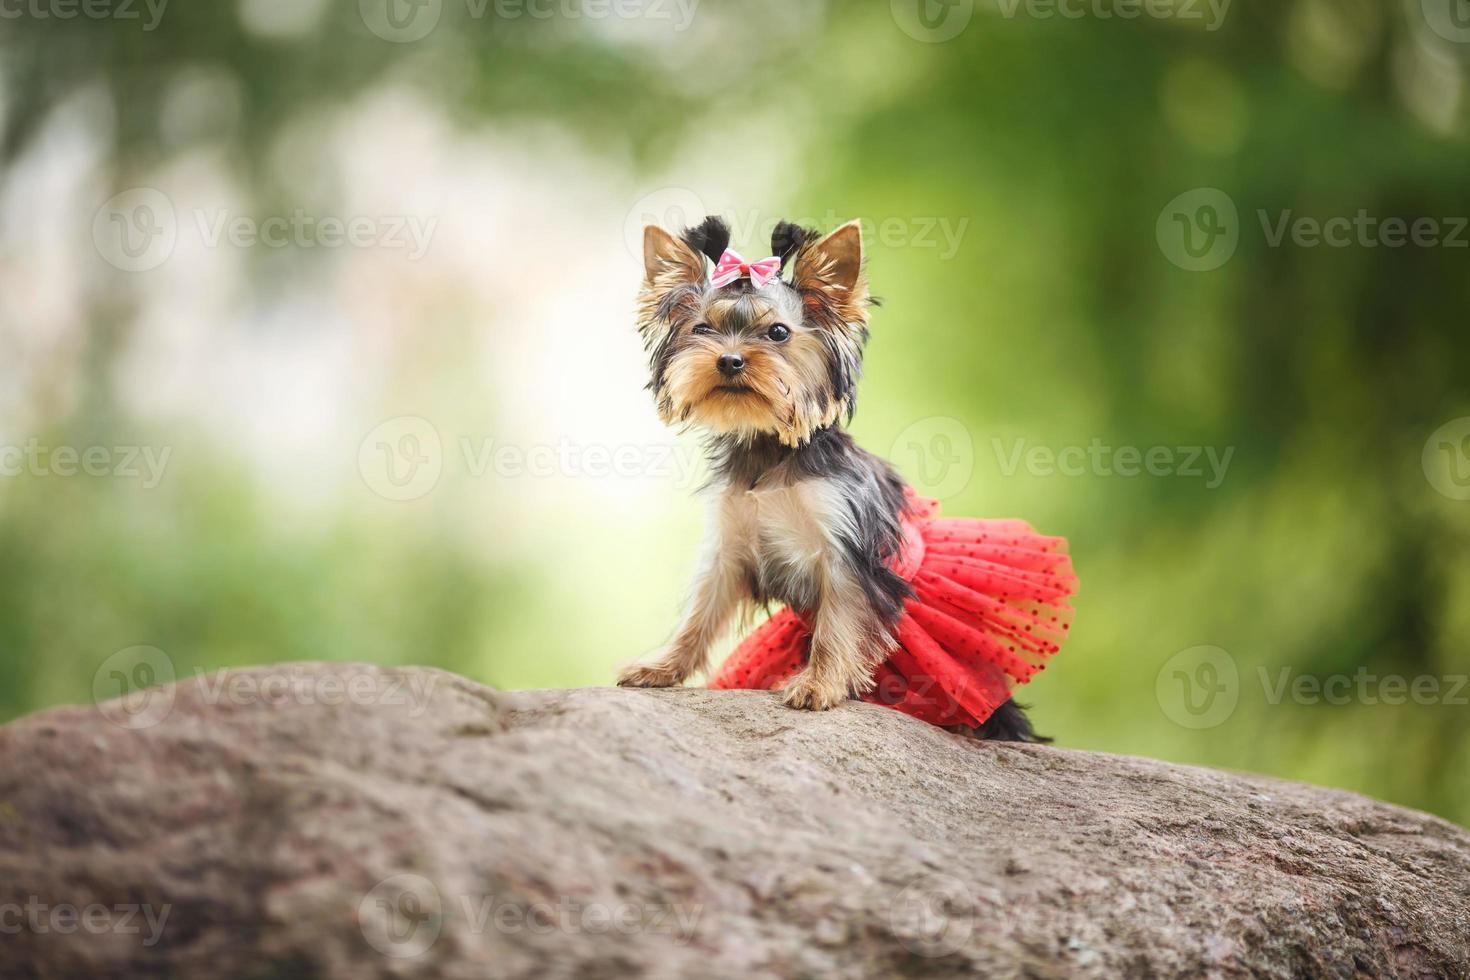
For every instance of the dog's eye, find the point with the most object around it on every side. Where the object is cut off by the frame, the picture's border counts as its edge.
(779, 332)
(703, 328)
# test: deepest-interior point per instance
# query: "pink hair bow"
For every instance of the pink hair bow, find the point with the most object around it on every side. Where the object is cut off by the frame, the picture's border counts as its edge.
(732, 267)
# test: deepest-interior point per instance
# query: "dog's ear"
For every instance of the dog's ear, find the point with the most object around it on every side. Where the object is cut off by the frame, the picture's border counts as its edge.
(673, 279)
(668, 262)
(830, 271)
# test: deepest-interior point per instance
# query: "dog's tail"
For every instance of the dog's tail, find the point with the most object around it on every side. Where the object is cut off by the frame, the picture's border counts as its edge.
(1007, 724)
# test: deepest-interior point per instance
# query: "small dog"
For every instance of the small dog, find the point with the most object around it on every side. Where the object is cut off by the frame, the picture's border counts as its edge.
(768, 368)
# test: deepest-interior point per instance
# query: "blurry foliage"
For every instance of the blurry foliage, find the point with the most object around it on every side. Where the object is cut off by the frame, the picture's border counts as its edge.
(1058, 322)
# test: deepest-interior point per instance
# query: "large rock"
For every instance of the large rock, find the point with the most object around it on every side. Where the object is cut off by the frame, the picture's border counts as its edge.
(358, 822)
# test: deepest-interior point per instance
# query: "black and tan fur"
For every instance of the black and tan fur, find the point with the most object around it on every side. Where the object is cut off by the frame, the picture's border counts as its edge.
(802, 514)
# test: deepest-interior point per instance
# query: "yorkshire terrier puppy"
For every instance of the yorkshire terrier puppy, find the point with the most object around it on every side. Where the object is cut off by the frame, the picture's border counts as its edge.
(768, 366)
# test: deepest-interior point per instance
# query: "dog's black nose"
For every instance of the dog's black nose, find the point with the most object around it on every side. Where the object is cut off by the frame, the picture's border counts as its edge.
(731, 364)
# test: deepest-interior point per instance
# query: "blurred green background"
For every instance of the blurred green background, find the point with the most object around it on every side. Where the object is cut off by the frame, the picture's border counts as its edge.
(1027, 179)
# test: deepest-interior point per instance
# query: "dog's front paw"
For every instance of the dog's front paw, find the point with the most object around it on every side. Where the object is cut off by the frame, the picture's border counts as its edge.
(652, 673)
(809, 694)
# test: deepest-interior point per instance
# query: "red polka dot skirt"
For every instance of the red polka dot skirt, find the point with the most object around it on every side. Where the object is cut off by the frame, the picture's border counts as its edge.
(990, 607)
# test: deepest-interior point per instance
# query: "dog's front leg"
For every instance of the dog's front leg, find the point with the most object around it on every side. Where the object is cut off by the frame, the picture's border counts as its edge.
(719, 588)
(848, 642)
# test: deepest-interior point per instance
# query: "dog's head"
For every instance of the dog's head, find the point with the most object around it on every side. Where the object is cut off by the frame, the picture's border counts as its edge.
(781, 358)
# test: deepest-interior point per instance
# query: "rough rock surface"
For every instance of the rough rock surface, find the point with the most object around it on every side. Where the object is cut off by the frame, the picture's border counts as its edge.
(259, 828)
